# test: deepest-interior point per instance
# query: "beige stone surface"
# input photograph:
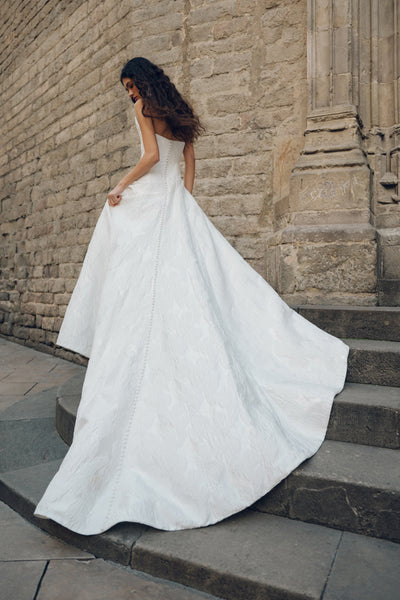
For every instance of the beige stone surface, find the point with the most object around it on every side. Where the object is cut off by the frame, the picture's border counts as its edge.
(300, 125)
(69, 135)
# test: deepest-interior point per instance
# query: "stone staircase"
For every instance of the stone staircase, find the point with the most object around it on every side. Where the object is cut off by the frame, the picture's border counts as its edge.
(330, 530)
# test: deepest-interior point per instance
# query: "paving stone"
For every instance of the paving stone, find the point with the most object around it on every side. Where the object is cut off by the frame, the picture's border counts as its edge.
(23, 488)
(364, 569)
(7, 401)
(28, 442)
(67, 369)
(20, 578)
(16, 388)
(100, 580)
(245, 557)
(42, 386)
(4, 374)
(35, 373)
(27, 542)
(73, 385)
(33, 406)
(23, 356)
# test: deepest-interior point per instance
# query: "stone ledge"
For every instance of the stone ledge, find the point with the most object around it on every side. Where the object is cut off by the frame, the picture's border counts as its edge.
(323, 234)
(245, 556)
(356, 406)
(367, 322)
(373, 361)
(346, 486)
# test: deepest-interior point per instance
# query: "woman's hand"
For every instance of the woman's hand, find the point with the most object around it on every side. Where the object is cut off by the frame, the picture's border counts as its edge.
(114, 197)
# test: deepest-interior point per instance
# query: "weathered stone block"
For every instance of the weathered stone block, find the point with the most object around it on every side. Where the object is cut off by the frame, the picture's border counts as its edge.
(331, 190)
(337, 267)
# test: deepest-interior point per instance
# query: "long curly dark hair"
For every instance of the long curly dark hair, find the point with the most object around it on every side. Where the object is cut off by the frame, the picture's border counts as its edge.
(162, 100)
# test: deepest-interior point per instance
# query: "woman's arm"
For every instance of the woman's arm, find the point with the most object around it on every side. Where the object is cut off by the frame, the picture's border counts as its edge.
(150, 156)
(188, 154)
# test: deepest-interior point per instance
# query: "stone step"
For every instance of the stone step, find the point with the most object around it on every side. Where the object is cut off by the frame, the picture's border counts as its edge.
(248, 556)
(366, 414)
(364, 322)
(348, 486)
(374, 361)
(362, 414)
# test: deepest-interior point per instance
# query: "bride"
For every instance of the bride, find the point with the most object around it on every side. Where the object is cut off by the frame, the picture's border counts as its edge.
(203, 388)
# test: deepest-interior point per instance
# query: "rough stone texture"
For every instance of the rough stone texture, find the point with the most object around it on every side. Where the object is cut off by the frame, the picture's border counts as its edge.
(346, 486)
(68, 133)
(389, 265)
(372, 323)
(366, 414)
(374, 362)
(348, 170)
(389, 292)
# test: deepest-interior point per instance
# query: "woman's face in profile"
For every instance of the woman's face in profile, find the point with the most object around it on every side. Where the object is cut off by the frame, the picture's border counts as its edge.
(131, 88)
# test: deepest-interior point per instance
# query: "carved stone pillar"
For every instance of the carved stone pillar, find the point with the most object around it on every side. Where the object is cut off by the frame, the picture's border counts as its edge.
(325, 245)
(382, 129)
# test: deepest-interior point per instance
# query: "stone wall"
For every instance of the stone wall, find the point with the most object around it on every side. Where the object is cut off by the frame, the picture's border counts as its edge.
(68, 133)
(338, 231)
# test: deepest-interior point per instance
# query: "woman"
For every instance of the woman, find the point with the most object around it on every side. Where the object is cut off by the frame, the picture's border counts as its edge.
(203, 388)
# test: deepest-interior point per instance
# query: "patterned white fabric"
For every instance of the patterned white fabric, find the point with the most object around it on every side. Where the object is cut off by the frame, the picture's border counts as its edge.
(203, 389)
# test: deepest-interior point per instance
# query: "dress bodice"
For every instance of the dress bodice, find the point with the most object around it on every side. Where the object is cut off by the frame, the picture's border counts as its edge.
(164, 173)
(170, 153)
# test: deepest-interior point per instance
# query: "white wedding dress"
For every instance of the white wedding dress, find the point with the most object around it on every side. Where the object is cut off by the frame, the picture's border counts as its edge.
(203, 389)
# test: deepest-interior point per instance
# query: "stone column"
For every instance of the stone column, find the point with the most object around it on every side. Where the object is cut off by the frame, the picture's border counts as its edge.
(324, 250)
(382, 123)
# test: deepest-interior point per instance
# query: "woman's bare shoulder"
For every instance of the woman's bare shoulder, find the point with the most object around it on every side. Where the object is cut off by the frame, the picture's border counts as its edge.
(138, 106)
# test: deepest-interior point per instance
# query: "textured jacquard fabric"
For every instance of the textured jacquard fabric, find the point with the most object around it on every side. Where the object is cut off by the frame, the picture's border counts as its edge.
(203, 388)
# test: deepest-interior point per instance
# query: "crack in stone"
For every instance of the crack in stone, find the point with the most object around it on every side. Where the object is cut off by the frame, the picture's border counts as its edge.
(331, 566)
(41, 579)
